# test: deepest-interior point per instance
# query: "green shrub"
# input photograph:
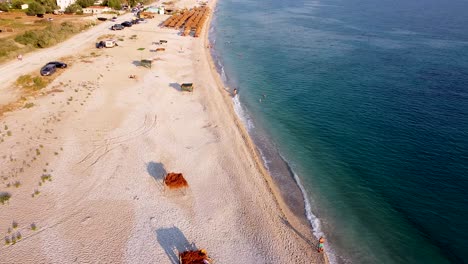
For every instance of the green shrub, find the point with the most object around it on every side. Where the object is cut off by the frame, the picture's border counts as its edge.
(85, 3)
(35, 8)
(28, 105)
(4, 7)
(46, 177)
(73, 8)
(7, 46)
(49, 5)
(16, 4)
(4, 197)
(115, 4)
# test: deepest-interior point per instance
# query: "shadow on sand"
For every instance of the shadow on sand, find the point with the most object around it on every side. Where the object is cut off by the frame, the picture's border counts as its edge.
(173, 241)
(176, 86)
(310, 242)
(158, 172)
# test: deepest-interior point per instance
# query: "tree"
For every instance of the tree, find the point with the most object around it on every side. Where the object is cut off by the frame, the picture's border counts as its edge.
(115, 4)
(4, 7)
(16, 4)
(73, 8)
(35, 8)
(132, 3)
(49, 5)
(85, 3)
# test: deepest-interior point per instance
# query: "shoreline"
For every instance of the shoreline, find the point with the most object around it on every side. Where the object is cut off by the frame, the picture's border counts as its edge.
(286, 210)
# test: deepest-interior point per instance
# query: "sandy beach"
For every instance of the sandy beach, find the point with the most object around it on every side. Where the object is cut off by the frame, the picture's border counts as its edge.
(89, 158)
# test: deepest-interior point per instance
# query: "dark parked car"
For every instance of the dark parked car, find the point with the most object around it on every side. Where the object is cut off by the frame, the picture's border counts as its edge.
(48, 69)
(127, 24)
(135, 21)
(58, 64)
(100, 44)
(117, 27)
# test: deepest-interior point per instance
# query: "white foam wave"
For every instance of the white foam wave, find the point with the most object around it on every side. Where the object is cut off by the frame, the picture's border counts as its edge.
(313, 219)
(266, 162)
(223, 74)
(242, 114)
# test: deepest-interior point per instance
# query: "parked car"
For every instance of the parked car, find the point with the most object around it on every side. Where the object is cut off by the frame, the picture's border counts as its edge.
(117, 27)
(100, 44)
(110, 43)
(58, 64)
(127, 24)
(135, 21)
(48, 69)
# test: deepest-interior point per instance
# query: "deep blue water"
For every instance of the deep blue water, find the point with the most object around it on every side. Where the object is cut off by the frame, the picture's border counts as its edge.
(368, 102)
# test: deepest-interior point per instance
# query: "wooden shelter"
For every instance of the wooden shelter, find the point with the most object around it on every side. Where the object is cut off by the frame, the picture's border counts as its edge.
(187, 87)
(146, 63)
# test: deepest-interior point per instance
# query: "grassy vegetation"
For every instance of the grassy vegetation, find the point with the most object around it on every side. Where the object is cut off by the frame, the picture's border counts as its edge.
(51, 35)
(45, 34)
(4, 197)
(31, 83)
(46, 177)
(28, 105)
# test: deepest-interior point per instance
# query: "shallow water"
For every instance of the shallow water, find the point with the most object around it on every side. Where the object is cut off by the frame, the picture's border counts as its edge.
(367, 102)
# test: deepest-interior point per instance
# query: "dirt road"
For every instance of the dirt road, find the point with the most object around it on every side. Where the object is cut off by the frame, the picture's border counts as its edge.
(10, 71)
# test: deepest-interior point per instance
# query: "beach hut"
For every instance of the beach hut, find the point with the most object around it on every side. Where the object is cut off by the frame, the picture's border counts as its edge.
(187, 87)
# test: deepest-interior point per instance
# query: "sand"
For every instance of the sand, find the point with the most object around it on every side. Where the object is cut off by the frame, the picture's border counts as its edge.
(91, 160)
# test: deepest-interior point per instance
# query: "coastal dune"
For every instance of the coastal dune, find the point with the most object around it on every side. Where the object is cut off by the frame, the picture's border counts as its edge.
(91, 159)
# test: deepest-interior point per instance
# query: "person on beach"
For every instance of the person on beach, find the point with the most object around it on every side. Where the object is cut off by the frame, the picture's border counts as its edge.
(20, 57)
(235, 91)
(320, 247)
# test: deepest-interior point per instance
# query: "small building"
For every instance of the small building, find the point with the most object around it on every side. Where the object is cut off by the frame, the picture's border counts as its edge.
(96, 9)
(24, 6)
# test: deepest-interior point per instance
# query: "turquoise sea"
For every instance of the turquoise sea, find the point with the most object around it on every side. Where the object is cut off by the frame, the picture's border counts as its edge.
(366, 103)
